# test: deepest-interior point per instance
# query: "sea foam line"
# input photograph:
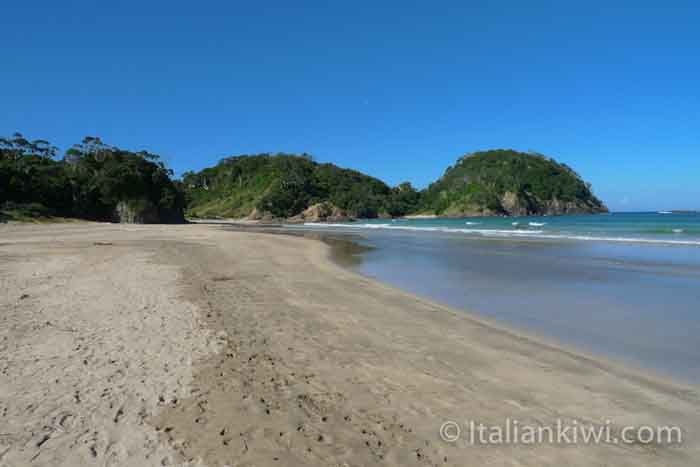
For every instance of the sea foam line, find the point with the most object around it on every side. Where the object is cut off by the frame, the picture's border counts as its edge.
(535, 234)
(425, 229)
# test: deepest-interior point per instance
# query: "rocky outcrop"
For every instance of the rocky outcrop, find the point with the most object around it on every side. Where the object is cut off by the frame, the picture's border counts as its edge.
(255, 215)
(142, 211)
(513, 204)
(258, 215)
(557, 208)
(136, 212)
(468, 211)
(321, 212)
(528, 205)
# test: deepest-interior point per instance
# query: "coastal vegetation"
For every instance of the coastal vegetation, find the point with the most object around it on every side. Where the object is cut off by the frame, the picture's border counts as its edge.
(92, 181)
(285, 185)
(507, 182)
(497, 182)
(96, 181)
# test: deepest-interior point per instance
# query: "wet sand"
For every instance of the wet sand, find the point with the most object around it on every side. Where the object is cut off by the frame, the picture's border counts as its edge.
(636, 304)
(193, 345)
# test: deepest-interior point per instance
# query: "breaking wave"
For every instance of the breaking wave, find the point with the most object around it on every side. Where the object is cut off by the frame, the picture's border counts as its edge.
(505, 233)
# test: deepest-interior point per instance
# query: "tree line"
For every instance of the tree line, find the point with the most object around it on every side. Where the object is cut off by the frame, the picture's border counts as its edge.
(89, 181)
(96, 181)
(283, 185)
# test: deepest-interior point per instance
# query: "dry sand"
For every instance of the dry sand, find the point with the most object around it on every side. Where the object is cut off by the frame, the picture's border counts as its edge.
(192, 345)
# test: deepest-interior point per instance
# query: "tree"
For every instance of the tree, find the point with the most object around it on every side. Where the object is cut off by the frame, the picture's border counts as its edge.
(90, 181)
(403, 200)
(18, 146)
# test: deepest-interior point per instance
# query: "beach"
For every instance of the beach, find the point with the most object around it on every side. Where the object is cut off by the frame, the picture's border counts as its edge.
(630, 302)
(199, 345)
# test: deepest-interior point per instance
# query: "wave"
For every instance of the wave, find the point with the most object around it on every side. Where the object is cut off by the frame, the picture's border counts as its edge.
(426, 229)
(665, 212)
(537, 224)
(472, 223)
(513, 233)
(677, 231)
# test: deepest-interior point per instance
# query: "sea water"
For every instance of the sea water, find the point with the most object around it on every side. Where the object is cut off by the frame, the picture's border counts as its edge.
(624, 286)
(651, 228)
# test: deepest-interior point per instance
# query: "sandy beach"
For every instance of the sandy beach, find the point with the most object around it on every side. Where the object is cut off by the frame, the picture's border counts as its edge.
(126, 345)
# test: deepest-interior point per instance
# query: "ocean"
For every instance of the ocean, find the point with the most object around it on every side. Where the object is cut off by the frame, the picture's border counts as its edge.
(625, 286)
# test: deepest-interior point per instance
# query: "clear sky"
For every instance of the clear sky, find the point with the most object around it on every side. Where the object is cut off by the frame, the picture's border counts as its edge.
(397, 89)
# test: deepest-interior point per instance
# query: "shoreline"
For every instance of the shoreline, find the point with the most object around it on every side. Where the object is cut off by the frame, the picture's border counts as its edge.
(342, 251)
(502, 234)
(542, 335)
(334, 367)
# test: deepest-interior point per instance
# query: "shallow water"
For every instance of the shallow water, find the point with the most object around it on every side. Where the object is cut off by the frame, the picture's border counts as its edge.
(634, 302)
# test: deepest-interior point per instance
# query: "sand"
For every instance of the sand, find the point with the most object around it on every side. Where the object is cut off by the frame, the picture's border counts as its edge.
(194, 345)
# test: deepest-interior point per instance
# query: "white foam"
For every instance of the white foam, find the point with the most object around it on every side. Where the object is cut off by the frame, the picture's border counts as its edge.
(516, 233)
(537, 224)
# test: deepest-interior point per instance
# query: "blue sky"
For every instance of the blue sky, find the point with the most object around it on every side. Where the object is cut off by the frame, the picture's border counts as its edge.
(397, 89)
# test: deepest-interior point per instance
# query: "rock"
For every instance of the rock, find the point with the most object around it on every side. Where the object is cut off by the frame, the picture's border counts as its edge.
(513, 205)
(522, 204)
(319, 212)
(139, 211)
(255, 215)
(323, 212)
(298, 219)
(556, 207)
(468, 211)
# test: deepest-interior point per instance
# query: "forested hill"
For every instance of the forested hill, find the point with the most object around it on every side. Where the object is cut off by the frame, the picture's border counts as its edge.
(286, 185)
(97, 181)
(92, 181)
(498, 182)
(507, 182)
